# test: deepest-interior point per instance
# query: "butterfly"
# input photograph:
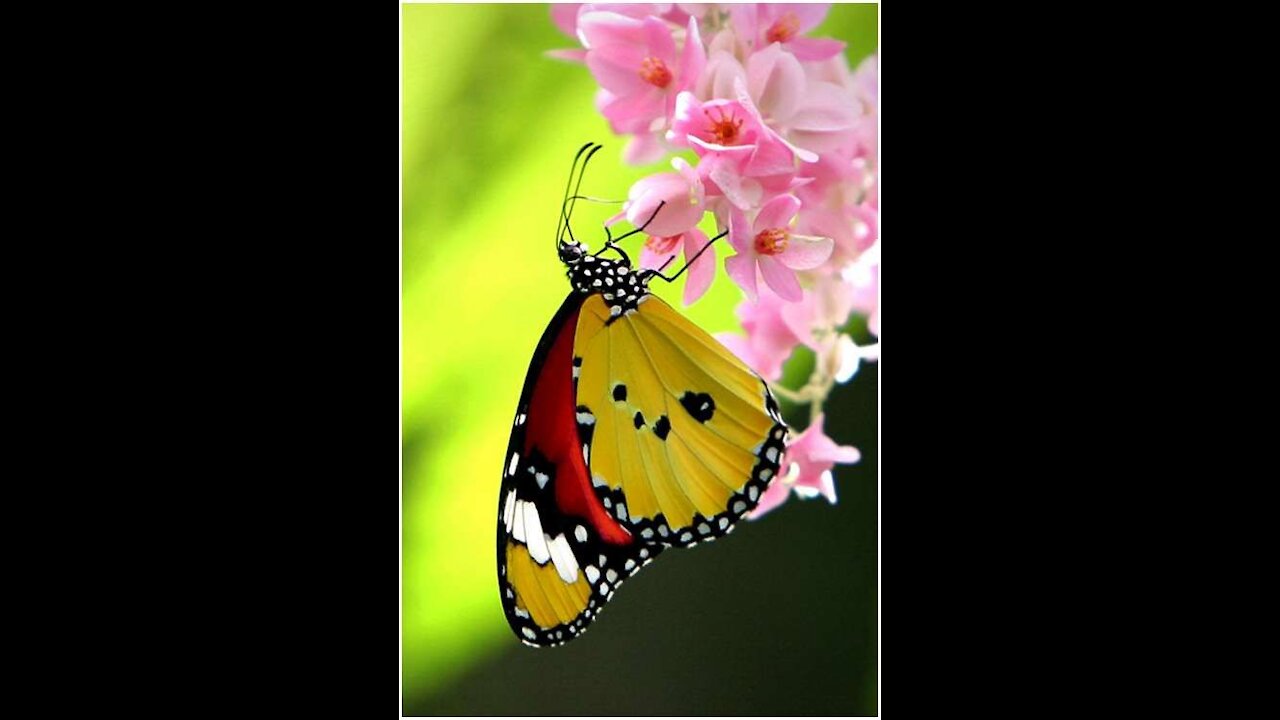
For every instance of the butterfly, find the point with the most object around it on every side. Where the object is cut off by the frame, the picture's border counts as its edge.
(635, 432)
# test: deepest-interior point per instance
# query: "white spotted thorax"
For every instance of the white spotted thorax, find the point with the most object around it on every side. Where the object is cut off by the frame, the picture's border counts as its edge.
(622, 288)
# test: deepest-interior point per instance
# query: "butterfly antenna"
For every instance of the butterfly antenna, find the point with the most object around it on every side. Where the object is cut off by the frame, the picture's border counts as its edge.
(566, 208)
(568, 184)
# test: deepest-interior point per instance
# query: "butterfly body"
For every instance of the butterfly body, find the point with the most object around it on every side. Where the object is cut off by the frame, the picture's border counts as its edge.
(635, 432)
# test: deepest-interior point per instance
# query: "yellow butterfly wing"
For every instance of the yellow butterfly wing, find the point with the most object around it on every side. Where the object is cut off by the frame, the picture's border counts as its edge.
(683, 437)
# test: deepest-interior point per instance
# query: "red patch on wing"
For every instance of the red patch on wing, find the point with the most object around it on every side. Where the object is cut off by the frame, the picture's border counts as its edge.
(555, 434)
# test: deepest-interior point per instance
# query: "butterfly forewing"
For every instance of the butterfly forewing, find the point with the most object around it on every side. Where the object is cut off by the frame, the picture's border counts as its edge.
(684, 438)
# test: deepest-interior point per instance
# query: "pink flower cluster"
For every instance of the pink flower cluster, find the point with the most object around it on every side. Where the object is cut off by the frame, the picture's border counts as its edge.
(784, 136)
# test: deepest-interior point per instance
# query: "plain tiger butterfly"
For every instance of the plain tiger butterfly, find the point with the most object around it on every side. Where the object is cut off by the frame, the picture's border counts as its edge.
(636, 432)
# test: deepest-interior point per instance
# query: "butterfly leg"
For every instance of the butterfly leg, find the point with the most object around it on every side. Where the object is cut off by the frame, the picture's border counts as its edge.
(658, 272)
(611, 242)
(640, 229)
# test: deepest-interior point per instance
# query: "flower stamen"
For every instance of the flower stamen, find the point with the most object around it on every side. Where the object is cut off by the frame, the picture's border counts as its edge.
(725, 128)
(662, 245)
(655, 72)
(772, 241)
(783, 29)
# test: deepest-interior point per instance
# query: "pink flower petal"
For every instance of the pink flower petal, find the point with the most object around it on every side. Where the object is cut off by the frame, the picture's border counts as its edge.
(686, 120)
(683, 209)
(569, 54)
(633, 113)
(827, 305)
(810, 15)
(666, 185)
(686, 170)
(721, 72)
(775, 495)
(867, 80)
(672, 219)
(693, 59)
(771, 157)
(781, 279)
(799, 318)
(827, 108)
(742, 270)
(604, 30)
(837, 454)
(643, 149)
(777, 213)
(866, 226)
(655, 260)
(618, 79)
(703, 270)
(745, 20)
(815, 49)
(565, 17)
(744, 99)
(736, 151)
(680, 12)
(827, 486)
(659, 41)
(742, 192)
(776, 80)
(805, 252)
(740, 235)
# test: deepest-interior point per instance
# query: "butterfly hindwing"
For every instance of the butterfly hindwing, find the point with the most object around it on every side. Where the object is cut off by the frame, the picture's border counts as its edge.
(560, 555)
(684, 438)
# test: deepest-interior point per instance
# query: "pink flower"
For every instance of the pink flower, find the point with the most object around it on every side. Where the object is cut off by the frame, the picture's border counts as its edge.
(808, 461)
(763, 24)
(718, 77)
(565, 17)
(659, 250)
(683, 193)
(864, 277)
(824, 308)
(769, 244)
(644, 149)
(840, 357)
(636, 63)
(776, 82)
(837, 201)
(734, 128)
(866, 85)
(768, 342)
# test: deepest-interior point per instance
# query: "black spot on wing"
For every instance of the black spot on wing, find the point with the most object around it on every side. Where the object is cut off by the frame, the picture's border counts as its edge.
(699, 405)
(639, 420)
(662, 428)
(620, 392)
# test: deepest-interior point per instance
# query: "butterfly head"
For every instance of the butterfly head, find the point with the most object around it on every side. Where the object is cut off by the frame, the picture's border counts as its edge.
(572, 252)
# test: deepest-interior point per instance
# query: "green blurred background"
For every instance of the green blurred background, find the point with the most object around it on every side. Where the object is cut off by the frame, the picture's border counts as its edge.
(779, 618)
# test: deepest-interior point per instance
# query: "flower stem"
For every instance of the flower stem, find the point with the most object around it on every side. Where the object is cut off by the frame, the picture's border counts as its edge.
(814, 392)
(791, 396)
